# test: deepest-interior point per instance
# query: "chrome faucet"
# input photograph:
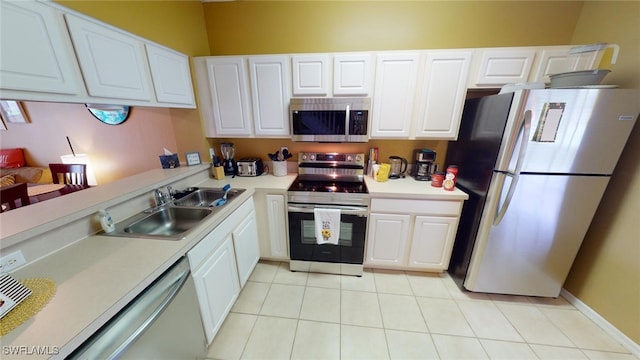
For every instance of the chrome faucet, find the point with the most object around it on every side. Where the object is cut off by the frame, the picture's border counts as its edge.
(160, 197)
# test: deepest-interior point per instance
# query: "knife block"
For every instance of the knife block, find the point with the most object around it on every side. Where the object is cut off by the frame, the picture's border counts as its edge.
(217, 172)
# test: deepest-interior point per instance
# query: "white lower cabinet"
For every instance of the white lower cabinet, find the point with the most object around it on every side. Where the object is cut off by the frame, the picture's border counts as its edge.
(272, 224)
(387, 240)
(245, 243)
(412, 234)
(217, 287)
(222, 262)
(432, 242)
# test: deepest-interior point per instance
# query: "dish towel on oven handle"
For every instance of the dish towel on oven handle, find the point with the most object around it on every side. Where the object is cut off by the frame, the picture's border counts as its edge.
(327, 223)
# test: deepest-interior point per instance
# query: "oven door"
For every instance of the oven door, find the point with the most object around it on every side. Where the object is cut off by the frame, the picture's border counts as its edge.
(302, 237)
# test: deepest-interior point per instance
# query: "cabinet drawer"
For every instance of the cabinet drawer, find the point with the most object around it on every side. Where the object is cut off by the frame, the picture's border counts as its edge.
(403, 206)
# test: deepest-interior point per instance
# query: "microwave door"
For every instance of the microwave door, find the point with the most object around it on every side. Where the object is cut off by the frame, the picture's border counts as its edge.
(319, 125)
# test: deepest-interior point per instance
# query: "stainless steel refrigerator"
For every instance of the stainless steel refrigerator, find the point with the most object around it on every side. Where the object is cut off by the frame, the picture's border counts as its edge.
(535, 164)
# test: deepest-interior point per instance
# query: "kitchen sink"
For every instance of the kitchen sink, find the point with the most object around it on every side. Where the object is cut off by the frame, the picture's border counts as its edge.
(168, 221)
(165, 223)
(174, 220)
(206, 197)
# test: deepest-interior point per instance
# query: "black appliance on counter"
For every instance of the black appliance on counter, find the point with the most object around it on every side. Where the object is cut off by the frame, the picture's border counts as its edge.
(328, 181)
(424, 164)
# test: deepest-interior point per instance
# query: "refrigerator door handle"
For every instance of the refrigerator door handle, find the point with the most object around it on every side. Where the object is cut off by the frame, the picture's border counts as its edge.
(525, 129)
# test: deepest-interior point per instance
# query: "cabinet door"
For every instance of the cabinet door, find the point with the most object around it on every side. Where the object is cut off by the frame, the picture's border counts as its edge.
(228, 94)
(352, 74)
(277, 215)
(444, 87)
(310, 73)
(432, 242)
(557, 60)
(499, 67)
(394, 94)
(387, 239)
(270, 94)
(114, 64)
(36, 53)
(171, 75)
(247, 249)
(217, 287)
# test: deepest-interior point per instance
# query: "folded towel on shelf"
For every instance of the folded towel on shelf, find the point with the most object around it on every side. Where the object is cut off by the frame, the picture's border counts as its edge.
(327, 225)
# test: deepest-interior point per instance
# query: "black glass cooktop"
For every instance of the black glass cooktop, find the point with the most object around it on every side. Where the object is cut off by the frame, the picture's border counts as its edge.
(328, 186)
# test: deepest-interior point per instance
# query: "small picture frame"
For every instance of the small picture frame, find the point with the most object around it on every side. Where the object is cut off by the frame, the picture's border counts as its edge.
(193, 158)
(12, 111)
(169, 161)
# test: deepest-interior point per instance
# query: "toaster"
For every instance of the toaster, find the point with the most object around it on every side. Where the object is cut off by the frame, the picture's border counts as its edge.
(250, 167)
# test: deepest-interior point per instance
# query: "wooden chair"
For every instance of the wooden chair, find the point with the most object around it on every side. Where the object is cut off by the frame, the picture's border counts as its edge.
(11, 194)
(69, 174)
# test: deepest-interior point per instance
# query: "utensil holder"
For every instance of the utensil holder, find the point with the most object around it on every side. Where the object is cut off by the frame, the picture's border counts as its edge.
(217, 172)
(279, 168)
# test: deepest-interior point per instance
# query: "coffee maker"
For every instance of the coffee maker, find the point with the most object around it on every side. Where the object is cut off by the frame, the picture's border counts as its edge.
(424, 164)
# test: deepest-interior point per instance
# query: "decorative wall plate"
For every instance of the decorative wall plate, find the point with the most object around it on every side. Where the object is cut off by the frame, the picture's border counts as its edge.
(109, 114)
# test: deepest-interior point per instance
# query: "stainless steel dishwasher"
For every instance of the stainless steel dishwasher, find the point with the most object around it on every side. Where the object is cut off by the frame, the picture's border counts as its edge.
(163, 322)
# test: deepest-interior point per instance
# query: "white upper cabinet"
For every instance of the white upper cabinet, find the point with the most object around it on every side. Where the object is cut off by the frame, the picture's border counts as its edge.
(171, 75)
(36, 54)
(310, 74)
(394, 94)
(443, 91)
(504, 66)
(114, 64)
(227, 96)
(270, 77)
(556, 59)
(352, 74)
(82, 60)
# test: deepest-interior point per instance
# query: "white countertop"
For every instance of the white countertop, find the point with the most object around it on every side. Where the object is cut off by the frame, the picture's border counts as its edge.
(409, 188)
(97, 276)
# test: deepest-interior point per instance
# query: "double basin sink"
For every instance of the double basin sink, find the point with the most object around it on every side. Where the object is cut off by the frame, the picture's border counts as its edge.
(174, 220)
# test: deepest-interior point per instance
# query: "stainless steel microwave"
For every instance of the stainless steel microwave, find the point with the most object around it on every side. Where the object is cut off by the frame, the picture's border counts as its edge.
(330, 119)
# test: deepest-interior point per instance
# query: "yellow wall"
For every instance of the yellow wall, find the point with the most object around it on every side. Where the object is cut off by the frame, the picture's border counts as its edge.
(606, 274)
(250, 27)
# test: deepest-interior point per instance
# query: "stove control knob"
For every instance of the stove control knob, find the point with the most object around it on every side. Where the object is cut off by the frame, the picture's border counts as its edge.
(349, 158)
(358, 159)
(312, 157)
(304, 156)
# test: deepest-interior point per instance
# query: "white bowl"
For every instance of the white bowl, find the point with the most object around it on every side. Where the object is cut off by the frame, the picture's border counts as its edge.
(578, 78)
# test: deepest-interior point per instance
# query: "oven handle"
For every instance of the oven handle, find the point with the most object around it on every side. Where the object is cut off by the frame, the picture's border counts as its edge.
(347, 210)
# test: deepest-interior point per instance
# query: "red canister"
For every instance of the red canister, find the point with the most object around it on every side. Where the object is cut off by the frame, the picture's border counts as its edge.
(437, 179)
(450, 178)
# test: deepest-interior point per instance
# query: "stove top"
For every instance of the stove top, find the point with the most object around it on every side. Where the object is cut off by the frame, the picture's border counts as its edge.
(346, 187)
(329, 178)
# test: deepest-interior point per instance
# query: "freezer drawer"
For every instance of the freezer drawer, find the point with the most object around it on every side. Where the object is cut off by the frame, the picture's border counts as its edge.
(531, 250)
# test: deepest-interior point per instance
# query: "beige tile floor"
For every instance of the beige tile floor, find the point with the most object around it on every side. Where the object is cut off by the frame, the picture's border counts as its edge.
(399, 315)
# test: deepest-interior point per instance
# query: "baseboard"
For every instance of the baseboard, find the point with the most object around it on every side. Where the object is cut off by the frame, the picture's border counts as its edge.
(618, 335)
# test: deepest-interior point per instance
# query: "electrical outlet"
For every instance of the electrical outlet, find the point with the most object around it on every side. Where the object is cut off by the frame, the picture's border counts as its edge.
(11, 261)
